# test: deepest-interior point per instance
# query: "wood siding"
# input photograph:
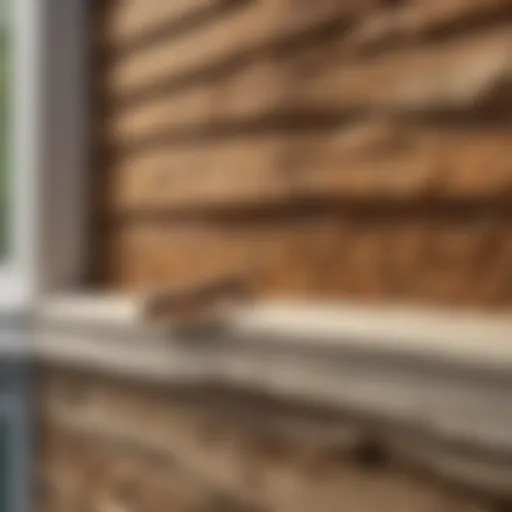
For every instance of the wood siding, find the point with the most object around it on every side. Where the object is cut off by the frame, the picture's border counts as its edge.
(109, 445)
(330, 149)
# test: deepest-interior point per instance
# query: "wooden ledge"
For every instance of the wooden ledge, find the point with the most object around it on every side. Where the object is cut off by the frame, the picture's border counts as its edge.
(445, 375)
(483, 340)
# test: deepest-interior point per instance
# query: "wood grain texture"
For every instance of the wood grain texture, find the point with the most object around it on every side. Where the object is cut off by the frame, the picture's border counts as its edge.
(248, 27)
(459, 75)
(414, 258)
(263, 27)
(364, 162)
(396, 116)
(155, 451)
(127, 20)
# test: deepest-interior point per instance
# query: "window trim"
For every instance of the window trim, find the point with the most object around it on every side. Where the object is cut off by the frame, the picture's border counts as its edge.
(17, 269)
(46, 215)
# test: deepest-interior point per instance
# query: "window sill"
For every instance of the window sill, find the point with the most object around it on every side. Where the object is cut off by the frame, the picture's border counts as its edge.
(382, 360)
(480, 341)
(447, 378)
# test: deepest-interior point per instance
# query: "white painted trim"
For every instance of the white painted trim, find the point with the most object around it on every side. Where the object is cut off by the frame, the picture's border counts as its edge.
(17, 271)
(92, 308)
(49, 159)
(483, 339)
(465, 338)
(455, 401)
(385, 363)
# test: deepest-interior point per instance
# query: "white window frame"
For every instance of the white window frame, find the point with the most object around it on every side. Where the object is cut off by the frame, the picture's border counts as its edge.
(16, 268)
(48, 119)
(47, 154)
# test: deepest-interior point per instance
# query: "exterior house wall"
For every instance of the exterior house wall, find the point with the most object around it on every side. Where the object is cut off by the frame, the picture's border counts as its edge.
(325, 149)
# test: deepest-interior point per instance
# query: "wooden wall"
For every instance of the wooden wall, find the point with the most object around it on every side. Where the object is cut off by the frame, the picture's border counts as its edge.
(109, 445)
(328, 148)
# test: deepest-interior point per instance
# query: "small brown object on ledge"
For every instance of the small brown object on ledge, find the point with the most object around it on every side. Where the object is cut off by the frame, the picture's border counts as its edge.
(197, 301)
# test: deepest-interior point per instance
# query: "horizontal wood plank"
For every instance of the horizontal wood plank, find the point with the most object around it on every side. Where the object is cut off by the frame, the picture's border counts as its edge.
(407, 257)
(266, 29)
(244, 33)
(443, 75)
(259, 89)
(374, 109)
(370, 161)
(455, 75)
